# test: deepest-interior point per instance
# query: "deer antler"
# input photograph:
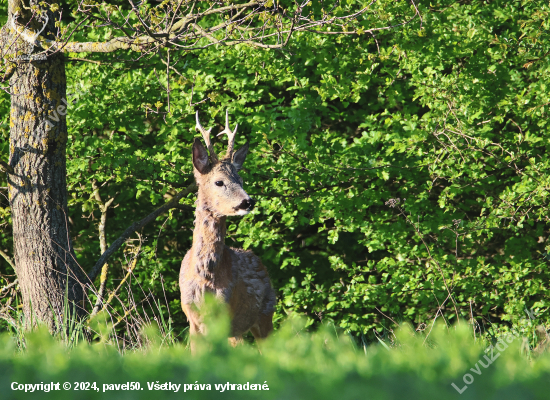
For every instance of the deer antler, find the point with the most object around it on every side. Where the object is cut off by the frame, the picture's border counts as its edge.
(206, 136)
(230, 135)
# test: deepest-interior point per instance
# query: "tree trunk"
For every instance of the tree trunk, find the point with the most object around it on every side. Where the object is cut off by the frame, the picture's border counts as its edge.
(46, 267)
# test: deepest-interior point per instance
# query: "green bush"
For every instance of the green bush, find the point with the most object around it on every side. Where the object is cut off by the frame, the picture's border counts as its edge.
(402, 174)
(293, 364)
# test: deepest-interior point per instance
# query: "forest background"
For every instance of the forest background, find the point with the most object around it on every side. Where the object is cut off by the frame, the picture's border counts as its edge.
(400, 175)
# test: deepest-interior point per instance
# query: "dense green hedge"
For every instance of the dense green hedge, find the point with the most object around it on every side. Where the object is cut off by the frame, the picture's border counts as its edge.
(293, 365)
(403, 174)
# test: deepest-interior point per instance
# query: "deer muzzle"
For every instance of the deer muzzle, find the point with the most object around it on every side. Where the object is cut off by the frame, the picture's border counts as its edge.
(246, 205)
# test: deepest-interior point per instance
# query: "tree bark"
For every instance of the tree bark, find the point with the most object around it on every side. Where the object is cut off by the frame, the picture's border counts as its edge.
(46, 267)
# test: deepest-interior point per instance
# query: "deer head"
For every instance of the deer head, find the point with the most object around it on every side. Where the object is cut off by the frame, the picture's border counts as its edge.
(220, 186)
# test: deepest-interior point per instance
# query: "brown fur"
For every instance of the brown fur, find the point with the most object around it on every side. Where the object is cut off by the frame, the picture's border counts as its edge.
(235, 276)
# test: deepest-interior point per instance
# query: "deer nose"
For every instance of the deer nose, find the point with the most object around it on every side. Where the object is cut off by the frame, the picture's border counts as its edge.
(247, 204)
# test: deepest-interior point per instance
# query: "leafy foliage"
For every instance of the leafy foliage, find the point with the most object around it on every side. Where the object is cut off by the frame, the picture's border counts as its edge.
(292, 364)
(401, 174)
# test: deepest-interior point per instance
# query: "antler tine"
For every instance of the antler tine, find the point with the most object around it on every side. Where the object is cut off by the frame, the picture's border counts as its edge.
(230, 135)
(206, 136)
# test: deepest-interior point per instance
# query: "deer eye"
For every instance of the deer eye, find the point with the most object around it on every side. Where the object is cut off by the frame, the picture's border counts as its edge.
(219, 183)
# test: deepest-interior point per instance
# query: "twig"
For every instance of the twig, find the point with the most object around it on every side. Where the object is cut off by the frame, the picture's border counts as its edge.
(120, 319)
(130, 270)
(192, 92)
(4, 312)
(430, 256)
(7, 287)
(103, 207)
(8, 318)
(8, 259)
(84, 59)
(4, 167)
(386, 316)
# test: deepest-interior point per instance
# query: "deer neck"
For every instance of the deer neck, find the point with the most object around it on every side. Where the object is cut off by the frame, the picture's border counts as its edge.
(208, 240)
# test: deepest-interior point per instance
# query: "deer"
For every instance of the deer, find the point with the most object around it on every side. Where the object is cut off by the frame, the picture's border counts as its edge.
(235, 276)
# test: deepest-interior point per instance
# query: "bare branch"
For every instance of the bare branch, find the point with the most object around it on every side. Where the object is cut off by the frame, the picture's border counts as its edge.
(103, 207)
(7, 287)
(251, 23)
(8, 259)
(130, 271)
(4, 167)
(173, 203)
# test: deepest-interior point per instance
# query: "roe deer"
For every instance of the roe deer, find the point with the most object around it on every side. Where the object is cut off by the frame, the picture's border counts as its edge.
(235, 276)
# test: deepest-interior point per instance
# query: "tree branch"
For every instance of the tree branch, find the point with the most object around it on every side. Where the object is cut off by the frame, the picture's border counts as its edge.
(103, 207)
(84, 59)
(133, 264)
(4, 312)
(120, 43)
(4, 167)
(8, 259)
(184, 30)
(134, 227)
(10, 70)
(136, 44)
(7, 287)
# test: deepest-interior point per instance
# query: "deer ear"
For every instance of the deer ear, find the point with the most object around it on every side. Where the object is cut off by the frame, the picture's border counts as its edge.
(200, 156)
(239, 156)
